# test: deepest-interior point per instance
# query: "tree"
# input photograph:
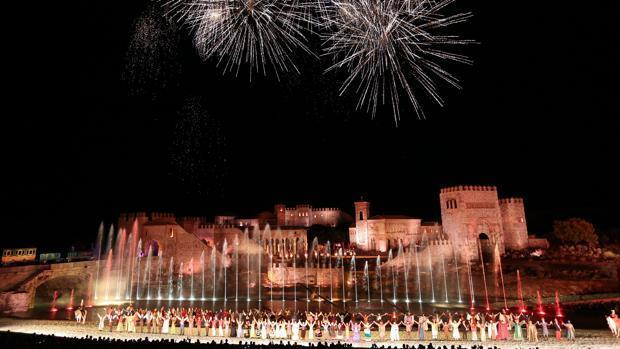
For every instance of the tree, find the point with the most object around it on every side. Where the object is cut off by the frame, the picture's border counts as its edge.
(575, 231)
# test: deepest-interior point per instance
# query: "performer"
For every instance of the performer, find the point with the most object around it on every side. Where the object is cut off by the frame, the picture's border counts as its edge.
(570, 331)
(394, 331)
(545, 327)
(456, 335)
(532, 332)
(558, 329)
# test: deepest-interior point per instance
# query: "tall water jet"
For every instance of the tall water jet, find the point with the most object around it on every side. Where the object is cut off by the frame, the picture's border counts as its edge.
(247, 244)
(159, 267)
(379, 276)
(180, 281)
(120, 249)
(202, 275)
(132, 252)
(107, 275)
(261, 238)
(329, 262)
(520, 293)
(236, 268)
(224, 252)
(558, 309)
(471, 281)
(417, 268)
(54, 299)
(404, 258)
(307, 283)
(137, 272)
(484, 276)
(295, 277)
(445, 280)
(98, 257)
(367, 279)
(129, 248)
(70, 306)
(191, 278)
(458, 279)
(354, 275)
(539, 303)
(430, 268)
(341, 257)
(271, 280)
(213, 270)
(391, 264)
(498, 262)
(110, 240)
(147, 272)
(170, 281)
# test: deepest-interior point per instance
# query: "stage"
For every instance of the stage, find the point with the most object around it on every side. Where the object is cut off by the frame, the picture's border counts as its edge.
(585, 338)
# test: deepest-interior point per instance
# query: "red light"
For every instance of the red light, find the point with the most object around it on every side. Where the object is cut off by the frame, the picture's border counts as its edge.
(53, 310)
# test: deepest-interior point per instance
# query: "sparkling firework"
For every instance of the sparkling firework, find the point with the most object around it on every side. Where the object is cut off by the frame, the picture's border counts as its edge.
(391, 46)
(152, 60)
(265, 34)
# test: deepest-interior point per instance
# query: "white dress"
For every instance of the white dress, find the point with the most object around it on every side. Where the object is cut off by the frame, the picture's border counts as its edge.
(394, 335)
(263, 331)
(295, 330)
(164, 327)
(455, 331)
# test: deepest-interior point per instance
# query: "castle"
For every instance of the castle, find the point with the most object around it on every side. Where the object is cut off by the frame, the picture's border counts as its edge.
(473, 219)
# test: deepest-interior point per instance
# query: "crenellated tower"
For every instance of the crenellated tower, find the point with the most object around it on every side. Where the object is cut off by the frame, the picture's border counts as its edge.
(514, 224)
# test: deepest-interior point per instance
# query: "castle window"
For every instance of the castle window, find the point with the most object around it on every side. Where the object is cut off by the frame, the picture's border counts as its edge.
(361, 216)
(521, 220)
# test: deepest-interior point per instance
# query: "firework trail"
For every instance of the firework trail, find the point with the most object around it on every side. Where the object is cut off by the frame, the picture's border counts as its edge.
(390, 48)
(264, 34)
(152, 63)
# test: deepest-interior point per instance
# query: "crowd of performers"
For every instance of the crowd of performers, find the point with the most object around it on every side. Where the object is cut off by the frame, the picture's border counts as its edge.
(352, 327)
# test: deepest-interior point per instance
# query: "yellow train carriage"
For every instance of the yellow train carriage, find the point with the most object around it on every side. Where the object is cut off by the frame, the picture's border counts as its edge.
(18, 255)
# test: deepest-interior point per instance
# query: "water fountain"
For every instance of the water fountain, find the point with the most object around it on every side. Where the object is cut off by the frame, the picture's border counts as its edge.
(558, 309)
(367, 279)
(170, 275)
(378, 271)
(484, 277)
(391, 264)
(341, 257)
(108, 274)
(458, 279)
(403, 257)
(191, 279)
(70, 306)
(180, 281)
(147, 273)
(539, 303)
(354, 276)
(214, 271)
(430, 268)
(236, 251)
(202, 275)
(98, 257)
(223, 266)
(417, 269)
(498, 263)
(54, 299)
(159, 271)
(137, 272)
(445, 281)
(520, 293)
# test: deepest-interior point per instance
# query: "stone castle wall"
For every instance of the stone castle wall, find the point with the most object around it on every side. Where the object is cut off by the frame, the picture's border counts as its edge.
(515, 226)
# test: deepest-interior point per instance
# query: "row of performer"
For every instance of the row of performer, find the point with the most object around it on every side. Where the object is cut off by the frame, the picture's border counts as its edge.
(353, 327)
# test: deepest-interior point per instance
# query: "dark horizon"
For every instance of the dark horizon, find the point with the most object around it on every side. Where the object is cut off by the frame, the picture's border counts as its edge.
(535, 117)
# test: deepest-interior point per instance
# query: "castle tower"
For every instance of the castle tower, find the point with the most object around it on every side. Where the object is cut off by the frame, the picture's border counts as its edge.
(513, 221)
(471, 217)
(362, 210)
(362, 213)
(280, 211)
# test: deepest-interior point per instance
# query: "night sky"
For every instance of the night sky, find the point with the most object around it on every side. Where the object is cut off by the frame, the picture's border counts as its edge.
(103, 119)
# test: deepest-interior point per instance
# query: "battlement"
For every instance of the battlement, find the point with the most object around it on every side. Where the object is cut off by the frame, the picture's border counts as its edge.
(511, 201)
(440, 242)
(297, 207)
(331, 209)
(216, 226)
(469, 188)
(155, 215)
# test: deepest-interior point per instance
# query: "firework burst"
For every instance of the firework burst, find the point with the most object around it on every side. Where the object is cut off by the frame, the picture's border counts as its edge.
(264, 34)
(390, 48)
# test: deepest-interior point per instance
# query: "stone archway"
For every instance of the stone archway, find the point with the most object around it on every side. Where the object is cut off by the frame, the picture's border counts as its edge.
(43, 294)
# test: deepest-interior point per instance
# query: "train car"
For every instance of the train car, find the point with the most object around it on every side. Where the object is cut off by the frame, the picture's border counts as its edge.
(49, 257)
(18, 255)
(79, 256)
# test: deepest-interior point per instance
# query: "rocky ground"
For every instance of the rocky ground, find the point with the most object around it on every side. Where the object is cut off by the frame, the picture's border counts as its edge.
(598, 339)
